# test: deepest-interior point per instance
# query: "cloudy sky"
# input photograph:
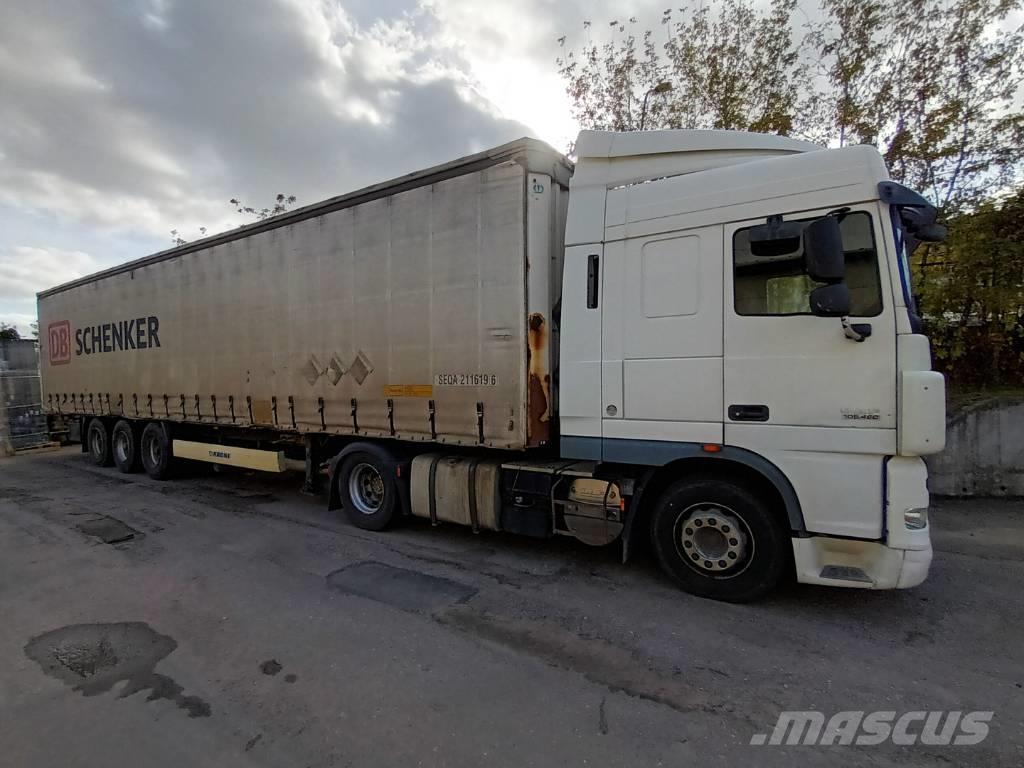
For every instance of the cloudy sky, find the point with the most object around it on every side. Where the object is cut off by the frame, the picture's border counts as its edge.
(123, 119)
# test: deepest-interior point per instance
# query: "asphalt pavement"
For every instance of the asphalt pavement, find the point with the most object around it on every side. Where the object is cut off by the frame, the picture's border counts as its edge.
(224, 619)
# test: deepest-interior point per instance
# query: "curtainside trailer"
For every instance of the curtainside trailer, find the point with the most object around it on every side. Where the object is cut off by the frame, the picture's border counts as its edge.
(703, 337)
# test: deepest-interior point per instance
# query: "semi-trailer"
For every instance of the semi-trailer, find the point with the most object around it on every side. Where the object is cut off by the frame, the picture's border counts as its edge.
(704, 337)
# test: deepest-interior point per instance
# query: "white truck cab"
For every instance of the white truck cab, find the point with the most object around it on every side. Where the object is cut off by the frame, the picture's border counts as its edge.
(688, 334)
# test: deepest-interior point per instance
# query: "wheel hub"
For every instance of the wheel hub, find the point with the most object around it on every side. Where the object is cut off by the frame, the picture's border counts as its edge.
(153, 448)
(366, 489)
(712, 538)
(96, 442)
(121, 446)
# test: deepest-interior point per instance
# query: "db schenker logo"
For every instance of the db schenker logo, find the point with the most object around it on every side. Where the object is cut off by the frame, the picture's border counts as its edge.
(59, 336)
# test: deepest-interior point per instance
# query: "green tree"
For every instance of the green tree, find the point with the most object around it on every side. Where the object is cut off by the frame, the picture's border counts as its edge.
(974, 296)
(736, 66)
(9, 332)
(935, 84)
(282, 203)
(947, 101)
(849, 47)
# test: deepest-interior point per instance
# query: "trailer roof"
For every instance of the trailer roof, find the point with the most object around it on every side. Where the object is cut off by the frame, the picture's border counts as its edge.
(538, 157)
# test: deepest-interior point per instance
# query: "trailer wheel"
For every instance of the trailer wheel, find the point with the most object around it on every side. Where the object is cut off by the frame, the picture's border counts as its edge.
(717, 540)
(155, 450)
(98, 440)
(125, 447)
(368, 491)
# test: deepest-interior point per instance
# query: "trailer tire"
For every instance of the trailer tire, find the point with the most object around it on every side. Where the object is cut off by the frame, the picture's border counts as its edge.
(717, 540)
(368, 491)
(155, 451)
(97, 437)
(124, 444)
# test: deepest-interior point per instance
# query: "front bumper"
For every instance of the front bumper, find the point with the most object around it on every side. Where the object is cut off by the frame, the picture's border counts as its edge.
(898, 562)
(859, 564)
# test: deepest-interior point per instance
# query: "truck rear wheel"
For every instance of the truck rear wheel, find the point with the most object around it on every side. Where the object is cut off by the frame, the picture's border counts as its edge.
(125, 447)
(368, 491)
(717, 540)
(98, 442)
(155, 450)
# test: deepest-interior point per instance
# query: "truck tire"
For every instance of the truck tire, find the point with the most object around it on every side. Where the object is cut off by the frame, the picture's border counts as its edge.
(367, 491)
(155, 451)
(97, 437)
(124, 444)
(718, 541)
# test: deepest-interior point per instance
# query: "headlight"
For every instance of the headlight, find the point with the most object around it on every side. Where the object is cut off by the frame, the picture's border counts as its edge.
(915, 519)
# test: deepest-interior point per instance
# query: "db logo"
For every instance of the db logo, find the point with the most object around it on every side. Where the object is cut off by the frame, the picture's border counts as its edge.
(59, 335)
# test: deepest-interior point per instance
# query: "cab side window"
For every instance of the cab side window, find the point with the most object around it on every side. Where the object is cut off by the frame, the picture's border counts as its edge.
(779, 285)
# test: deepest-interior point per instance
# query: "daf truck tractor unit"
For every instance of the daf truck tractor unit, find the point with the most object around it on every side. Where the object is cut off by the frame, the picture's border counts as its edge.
(704, 338)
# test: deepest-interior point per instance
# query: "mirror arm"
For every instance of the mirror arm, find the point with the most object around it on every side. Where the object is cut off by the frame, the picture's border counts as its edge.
(855, 331)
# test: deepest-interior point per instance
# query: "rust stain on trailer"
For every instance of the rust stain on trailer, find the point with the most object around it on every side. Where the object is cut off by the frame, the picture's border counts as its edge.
(539, 393)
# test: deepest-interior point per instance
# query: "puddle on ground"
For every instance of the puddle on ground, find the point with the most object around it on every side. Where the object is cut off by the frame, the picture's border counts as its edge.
(92, 658)
(409, 590)
(107, 529)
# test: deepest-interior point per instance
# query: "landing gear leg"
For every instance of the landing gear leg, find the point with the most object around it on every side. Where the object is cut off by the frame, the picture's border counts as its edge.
(311, 485)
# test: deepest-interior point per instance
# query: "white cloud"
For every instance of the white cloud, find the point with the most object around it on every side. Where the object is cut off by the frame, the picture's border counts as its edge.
(25, 270)
(151, 117)
(123, 120)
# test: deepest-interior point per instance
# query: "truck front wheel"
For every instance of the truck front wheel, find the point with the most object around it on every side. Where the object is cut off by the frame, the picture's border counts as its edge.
(368, 491)
(98, 440)
(717, 540)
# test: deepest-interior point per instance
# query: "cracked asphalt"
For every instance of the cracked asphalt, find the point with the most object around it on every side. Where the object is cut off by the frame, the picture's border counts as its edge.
(224, 619)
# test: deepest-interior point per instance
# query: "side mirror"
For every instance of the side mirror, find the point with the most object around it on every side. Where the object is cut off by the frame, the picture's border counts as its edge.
(775, 238)
(920, 224)
(823, 250)
(830, 300)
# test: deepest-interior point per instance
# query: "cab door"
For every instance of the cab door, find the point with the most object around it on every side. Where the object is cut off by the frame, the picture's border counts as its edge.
(797, 390)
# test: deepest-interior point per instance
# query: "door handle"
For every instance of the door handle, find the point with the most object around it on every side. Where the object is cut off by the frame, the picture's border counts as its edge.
(748, 413)
(593, 271)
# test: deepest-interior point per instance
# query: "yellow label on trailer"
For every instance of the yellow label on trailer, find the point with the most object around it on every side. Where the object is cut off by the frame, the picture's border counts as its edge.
(249, 458)
(409, 390)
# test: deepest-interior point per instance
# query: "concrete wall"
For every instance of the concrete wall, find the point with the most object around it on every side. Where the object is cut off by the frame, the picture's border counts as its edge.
(984, 453)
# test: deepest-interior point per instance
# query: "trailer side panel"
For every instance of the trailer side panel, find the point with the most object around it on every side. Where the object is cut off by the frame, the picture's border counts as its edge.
(404, 316)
